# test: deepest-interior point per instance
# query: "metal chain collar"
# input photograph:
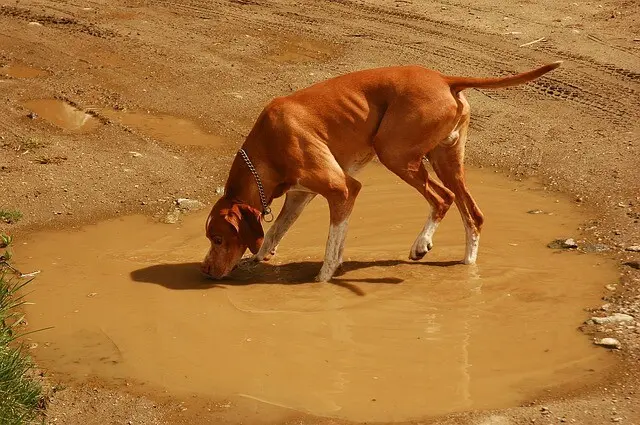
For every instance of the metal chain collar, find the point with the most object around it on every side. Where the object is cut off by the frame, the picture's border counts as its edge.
(266, 210)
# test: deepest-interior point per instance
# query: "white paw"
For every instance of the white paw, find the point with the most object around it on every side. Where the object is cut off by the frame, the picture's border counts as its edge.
(469, 260)
(420, 249)
(324, 275)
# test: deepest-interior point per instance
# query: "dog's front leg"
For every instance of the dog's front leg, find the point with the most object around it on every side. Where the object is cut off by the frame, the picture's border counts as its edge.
(333, 253)
(340, 208)
(294, 203)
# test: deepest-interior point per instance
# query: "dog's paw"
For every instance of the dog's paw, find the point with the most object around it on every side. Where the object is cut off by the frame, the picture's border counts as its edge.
(418, 252)
(323, 276)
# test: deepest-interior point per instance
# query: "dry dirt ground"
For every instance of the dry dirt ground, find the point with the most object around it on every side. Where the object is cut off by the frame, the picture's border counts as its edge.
(146, 69)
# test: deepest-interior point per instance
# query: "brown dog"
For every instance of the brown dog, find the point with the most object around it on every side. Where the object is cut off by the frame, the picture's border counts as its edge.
(315, 140)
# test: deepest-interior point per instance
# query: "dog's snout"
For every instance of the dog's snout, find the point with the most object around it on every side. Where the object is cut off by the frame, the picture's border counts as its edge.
(205, 268)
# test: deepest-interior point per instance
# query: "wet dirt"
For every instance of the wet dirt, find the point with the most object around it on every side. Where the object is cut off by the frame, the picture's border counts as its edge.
(388, 340)
(22, 71)
(299, 50)
(166, 128)
(63, 115)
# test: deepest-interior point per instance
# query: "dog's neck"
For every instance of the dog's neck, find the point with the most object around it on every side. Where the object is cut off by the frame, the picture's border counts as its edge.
(241, 185)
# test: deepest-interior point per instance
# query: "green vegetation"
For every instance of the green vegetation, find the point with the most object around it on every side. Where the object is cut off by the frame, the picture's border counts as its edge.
(10, 216)
(20, 393)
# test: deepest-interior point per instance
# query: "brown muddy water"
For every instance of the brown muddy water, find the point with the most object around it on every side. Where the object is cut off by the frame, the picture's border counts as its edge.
(389, 340)
(166, 128)
(22, 71)
(62, 115)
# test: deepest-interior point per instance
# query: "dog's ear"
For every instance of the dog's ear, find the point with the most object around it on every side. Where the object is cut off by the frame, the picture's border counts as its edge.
(246, 220)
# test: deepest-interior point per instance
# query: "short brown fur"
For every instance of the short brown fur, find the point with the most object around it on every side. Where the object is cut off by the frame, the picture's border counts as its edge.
(314, 141)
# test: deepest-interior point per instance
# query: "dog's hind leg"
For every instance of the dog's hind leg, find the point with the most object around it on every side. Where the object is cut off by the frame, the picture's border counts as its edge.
(448, 163)
(413, 171)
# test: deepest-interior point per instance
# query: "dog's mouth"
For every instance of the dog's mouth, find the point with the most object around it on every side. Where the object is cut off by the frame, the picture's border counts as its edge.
(224, 276)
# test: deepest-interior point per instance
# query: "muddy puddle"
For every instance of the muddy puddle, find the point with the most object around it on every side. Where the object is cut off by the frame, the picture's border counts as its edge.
(389, 340)
(62, 115)
(22, 71)
(166, 128)
(291, 50)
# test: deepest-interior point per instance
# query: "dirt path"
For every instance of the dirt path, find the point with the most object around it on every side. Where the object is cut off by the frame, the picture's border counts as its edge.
(157, 77)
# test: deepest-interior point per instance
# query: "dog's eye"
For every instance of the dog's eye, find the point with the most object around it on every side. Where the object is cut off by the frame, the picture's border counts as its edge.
(217, 240)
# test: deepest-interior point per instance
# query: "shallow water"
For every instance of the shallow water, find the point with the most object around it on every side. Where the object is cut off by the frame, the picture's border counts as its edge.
(62, 115)
(391, 339)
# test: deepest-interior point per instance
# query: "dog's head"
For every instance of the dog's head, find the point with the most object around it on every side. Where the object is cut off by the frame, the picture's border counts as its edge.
(231, 228)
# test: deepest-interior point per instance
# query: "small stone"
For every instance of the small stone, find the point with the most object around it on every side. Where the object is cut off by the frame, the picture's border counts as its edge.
(219, 190)
(611, 287)
(135, 154)
(633, 264)
(608, 343)
(535, 212)
(172, 216)
(614, 318)
(563, 244)
(569, 243)
(92, 294)
(189, 204)
(35, 24)
(32, 115)
(633, 248)
(596, 247)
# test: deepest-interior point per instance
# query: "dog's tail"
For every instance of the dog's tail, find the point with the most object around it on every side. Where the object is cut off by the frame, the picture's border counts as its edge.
(458, 84)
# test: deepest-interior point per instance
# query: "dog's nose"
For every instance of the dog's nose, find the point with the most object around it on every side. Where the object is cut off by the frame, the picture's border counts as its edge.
(205, 268)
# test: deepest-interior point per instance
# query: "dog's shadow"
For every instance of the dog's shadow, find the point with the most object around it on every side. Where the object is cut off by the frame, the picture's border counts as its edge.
(181, 276)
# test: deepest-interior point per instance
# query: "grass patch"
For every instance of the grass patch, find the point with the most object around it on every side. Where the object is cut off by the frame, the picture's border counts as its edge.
(10, 216)
(31, 143)
(20, 393)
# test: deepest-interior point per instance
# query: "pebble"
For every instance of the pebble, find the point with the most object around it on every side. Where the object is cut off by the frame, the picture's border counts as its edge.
(535, 212)
(172, 216)
(135, 154)
(598, 247)
(633, 248)
(614, 318)
(562, 244)
(189, 204)
(608, 342)
(633, 264)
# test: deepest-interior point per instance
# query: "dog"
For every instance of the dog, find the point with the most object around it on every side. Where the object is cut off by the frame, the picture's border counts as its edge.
(315, 140)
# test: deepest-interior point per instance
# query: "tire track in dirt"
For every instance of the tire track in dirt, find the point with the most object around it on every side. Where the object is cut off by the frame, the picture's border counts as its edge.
(451, 46)
(577, 86)
(65, 23)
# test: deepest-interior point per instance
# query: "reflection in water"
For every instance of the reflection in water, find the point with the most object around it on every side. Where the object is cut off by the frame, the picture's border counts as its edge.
(166, 128)
(63, 115)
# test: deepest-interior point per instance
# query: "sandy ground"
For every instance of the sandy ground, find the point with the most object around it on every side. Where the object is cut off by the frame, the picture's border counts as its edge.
(148, 72)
